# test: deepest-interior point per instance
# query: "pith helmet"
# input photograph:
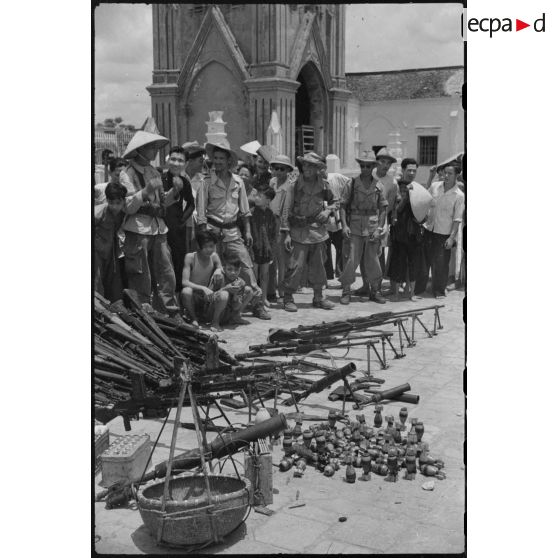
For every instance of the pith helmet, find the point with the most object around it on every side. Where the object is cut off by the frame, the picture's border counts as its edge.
(368, 158)
(282, 160)
(384, 153)
(312, 158)
(221, 144)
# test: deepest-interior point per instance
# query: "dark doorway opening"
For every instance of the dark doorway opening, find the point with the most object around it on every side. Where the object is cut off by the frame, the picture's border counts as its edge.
(311, 111)
(302, 105)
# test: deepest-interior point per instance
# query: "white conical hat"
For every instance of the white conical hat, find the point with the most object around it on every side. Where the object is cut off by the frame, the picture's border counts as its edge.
(420, 201)
(141, 139)
(251, 147)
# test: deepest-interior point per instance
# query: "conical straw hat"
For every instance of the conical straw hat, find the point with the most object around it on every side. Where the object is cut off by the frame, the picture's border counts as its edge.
(251, 147)
(420, 201)
(142, 139)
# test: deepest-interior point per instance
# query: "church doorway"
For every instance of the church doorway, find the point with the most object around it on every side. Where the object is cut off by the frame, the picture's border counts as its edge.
(310, 111)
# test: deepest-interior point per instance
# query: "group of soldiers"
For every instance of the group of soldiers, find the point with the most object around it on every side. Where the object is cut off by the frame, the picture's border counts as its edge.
(152, 219)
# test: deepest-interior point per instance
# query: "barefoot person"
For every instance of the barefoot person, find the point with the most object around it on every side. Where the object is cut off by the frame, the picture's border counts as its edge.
(264, 230)
(202, 271)
(239, 294)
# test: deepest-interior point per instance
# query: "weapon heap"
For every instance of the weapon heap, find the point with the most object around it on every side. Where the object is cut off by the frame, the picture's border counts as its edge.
(305, 339)
(135, 353)
(131, 343)
(134, 365)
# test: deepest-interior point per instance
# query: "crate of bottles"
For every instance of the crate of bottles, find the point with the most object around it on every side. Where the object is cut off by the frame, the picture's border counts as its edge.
(125, 459)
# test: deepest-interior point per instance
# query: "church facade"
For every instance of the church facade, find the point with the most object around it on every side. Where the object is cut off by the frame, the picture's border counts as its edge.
(248, 60)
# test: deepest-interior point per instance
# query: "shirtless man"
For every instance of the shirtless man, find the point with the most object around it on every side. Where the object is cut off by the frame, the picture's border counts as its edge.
(201, 276)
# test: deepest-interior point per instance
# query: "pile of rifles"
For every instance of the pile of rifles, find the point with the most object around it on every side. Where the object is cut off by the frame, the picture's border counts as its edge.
(134, 347)
(128, 340)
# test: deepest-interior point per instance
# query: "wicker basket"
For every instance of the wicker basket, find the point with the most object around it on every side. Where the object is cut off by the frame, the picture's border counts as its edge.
(187, 519)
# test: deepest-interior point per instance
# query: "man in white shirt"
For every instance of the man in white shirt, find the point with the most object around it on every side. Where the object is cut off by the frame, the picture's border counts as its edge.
(442, 226)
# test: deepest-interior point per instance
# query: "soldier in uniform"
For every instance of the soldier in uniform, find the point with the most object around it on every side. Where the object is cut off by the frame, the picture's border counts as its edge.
(146, 250)
(309, 203)
(391, 191)
(363, 214)
(221, 200)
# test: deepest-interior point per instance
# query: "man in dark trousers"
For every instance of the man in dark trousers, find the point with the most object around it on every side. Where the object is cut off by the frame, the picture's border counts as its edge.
(442, 226)
(146, 250)
(178, 212)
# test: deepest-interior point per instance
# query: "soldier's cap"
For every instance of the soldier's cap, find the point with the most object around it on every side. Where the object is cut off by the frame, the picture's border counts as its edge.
(312, 158)
(141, 139)
(193, 149)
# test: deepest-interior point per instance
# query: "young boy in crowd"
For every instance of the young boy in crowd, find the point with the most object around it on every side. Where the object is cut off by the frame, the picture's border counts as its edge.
(108, 219)
(239, 294)
(264, 232)
(116, 165)
(202, 272)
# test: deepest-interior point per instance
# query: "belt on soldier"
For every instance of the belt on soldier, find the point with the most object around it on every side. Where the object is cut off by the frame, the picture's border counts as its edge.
(219, 225)
(364, 212)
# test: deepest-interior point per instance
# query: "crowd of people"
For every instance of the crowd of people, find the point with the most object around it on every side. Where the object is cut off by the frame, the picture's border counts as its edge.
(212, 236)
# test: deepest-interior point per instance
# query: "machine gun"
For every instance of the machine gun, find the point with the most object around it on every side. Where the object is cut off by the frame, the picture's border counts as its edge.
(351, 324)
(305, 348)
(323, 383)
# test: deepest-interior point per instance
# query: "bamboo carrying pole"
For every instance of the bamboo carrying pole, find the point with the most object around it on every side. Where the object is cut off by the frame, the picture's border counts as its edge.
(173, 441)
(196, 418)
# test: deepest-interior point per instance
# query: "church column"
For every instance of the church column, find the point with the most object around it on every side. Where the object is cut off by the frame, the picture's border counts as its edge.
(164, 101)
(338, 137)
(266, 95)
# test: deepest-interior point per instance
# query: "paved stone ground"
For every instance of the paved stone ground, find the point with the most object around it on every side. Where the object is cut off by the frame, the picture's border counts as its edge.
(381, 517)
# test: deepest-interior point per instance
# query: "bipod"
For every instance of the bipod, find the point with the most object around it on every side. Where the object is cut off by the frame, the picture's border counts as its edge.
(437, 322)
(347, 388)
(401, 329)
(382, 361)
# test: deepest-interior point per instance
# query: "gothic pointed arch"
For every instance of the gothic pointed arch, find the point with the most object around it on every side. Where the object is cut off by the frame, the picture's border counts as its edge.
(213, 41)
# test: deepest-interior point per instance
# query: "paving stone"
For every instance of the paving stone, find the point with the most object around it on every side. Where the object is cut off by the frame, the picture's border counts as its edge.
(376, 532)
(427, 539)
(328, 546)
(291, 532)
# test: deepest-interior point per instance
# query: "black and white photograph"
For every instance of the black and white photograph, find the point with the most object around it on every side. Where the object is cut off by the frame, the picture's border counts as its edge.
(279, 274)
